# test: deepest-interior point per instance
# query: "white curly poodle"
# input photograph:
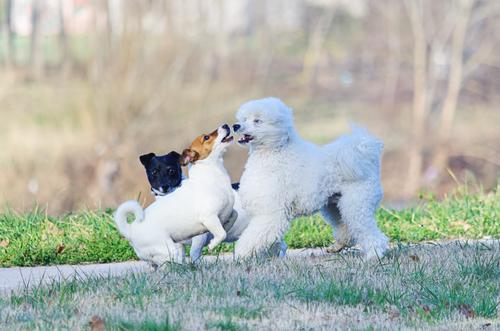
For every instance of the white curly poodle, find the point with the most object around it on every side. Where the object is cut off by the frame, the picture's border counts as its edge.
(286, 177)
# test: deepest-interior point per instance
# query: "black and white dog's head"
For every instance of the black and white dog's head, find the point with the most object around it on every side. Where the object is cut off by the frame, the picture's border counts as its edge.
(164, 172)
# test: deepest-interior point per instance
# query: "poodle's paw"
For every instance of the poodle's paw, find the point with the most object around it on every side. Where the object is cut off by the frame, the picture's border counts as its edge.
(283, 249)
(195, 261)
(336, 247)
(375, 252)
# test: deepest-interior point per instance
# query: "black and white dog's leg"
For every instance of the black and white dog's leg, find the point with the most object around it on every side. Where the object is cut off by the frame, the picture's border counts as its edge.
(214, 225)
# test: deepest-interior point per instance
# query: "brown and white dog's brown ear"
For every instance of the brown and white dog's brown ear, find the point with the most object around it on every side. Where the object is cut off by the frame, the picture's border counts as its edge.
(188, 156)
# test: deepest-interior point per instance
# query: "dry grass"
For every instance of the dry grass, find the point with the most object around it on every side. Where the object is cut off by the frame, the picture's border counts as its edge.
(452, 286)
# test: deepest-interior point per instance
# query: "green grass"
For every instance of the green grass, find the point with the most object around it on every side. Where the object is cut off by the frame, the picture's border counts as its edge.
(449, 286)
(39, 239)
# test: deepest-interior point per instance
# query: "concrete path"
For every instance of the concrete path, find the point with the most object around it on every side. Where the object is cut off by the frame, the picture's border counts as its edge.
(20, 277)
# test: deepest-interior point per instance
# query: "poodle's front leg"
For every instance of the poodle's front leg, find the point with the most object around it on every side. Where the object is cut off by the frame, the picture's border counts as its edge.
(263, 236)
(214, 225)
(197, 244)
(283, 248)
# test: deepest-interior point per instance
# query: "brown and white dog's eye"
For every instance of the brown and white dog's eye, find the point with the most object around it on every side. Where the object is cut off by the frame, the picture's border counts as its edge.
(206, 137)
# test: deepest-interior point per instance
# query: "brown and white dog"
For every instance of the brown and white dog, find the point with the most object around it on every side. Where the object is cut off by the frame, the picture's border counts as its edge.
(197, 206)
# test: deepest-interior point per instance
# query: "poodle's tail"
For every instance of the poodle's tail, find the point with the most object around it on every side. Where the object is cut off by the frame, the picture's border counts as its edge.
(126, 208)
(358, 154)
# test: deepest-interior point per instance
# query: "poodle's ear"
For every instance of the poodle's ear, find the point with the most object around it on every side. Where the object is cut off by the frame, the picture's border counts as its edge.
(146, 159)
(188, 156)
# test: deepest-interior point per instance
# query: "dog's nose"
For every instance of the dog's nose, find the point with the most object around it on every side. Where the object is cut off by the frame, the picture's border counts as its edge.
(236, 127)
(225, 126)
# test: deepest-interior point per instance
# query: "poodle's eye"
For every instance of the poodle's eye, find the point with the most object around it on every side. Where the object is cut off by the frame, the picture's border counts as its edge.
(257, 121)
(154, 172)
(206, 137)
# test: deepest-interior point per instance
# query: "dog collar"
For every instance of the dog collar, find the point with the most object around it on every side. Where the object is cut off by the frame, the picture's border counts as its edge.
(157, 193)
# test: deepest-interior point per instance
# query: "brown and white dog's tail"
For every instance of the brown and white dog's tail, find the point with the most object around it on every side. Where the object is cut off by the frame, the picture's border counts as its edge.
(126, 208)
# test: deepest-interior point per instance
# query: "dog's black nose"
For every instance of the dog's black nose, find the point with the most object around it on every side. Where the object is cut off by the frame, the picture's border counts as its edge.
(236, 127)
(225, 126)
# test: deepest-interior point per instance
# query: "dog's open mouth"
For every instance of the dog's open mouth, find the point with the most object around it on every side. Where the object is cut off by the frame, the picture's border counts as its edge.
(246, 138)
(228, 137)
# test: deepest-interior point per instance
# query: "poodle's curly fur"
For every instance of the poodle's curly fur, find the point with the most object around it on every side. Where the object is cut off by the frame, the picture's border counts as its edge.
(286, 177)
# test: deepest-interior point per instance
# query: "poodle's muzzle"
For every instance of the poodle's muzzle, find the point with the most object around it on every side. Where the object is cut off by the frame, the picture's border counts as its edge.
(245, 138)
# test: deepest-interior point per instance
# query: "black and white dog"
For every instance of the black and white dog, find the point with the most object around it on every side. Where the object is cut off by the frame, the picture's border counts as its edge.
(165, 175)
(164, 172)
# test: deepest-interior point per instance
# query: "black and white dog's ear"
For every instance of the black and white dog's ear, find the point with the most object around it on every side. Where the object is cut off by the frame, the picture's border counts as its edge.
(146, 159)
(188, 156)
(175, 155)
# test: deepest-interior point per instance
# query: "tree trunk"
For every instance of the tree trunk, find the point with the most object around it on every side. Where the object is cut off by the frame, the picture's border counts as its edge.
(455, 80)
(315, 49)
(63, 41)
(35, 57)
(420, 109)
(10, 47)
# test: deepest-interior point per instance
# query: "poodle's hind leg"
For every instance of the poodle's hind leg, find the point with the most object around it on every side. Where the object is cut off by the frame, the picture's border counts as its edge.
(357, 207)
(263, 236)
(331, 214)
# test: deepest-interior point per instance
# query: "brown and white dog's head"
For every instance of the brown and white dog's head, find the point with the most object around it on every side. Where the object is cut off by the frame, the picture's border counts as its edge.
(208, 146)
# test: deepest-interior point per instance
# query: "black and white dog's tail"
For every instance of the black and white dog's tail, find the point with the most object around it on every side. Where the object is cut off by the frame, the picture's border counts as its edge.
(126, 208)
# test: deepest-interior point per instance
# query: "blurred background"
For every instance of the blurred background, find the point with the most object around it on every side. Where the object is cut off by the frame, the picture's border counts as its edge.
(87, 86)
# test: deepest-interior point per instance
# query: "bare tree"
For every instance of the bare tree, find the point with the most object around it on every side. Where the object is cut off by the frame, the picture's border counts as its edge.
(460, 69)
(8, 28)
(35, 56)
(390, 12)
(63, 39)
(420, 110)
(440, 30)
(315, 47)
